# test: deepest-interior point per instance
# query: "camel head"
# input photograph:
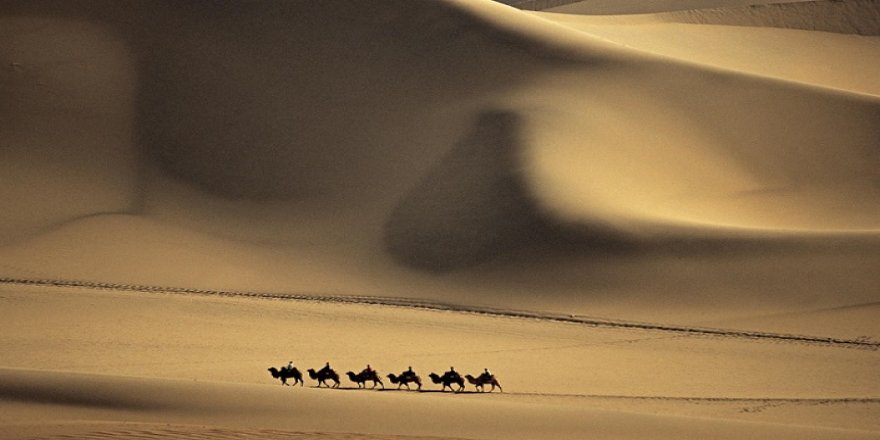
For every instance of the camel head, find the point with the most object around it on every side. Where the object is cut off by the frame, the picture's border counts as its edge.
(393, 378)
(435, 378)
(312, 373)
(470, 378)
(275, 372)
(351, 375)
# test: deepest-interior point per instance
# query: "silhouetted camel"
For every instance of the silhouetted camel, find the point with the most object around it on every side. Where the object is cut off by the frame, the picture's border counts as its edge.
(478, 382)
(447, 380)
(324, 375)
(405, 379)
(285, 374)
(363, 377)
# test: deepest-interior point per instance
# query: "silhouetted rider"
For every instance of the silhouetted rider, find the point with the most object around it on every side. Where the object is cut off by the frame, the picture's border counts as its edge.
(326, 369)
(452, 374)
(408, 373)
(486, 375)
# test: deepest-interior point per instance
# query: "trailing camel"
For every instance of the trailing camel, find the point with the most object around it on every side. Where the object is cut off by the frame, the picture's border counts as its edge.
(447, 380)
(365, 376)
(286, 373)
(405, 379)
(479, 382)
(323, 375)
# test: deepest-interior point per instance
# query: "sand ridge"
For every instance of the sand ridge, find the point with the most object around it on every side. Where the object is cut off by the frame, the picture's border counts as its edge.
(858, 17)
(864, 342)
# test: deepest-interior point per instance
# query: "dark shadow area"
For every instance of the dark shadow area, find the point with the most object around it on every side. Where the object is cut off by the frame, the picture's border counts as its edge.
(293, 100)
(279, 100)
(474, 205)
(85, 394)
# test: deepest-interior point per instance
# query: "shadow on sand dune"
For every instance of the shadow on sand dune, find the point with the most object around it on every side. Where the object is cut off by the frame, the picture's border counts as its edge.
(293, 100)
(474, 205)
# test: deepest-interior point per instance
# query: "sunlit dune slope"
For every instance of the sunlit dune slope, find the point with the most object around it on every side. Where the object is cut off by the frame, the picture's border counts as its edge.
(431, 149)
(151, 364)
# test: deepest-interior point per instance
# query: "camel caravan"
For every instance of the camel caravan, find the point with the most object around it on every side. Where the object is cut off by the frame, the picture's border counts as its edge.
(327, 377)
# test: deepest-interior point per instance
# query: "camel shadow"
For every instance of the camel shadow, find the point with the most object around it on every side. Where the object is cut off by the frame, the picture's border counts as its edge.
(448, 392)
(393, 390)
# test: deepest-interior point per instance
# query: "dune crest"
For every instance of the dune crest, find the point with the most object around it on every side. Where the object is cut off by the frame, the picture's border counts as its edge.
(860, 17)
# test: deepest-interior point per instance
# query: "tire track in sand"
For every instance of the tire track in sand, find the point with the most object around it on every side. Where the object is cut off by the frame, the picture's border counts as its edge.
(859, 343)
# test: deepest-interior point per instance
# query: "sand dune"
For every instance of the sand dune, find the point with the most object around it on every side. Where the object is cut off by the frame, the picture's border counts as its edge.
(609, 7)
(234, 141)
(272, 412)
(713, 169)
(849, 17)
(200, 361)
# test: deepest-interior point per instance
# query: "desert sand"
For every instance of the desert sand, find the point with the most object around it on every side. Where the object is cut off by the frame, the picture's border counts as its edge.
(664, 224)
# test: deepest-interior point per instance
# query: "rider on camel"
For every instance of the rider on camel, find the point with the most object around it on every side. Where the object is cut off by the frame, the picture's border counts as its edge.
(452, 374)
(408, 373)
(486, 375)
(326, 369)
